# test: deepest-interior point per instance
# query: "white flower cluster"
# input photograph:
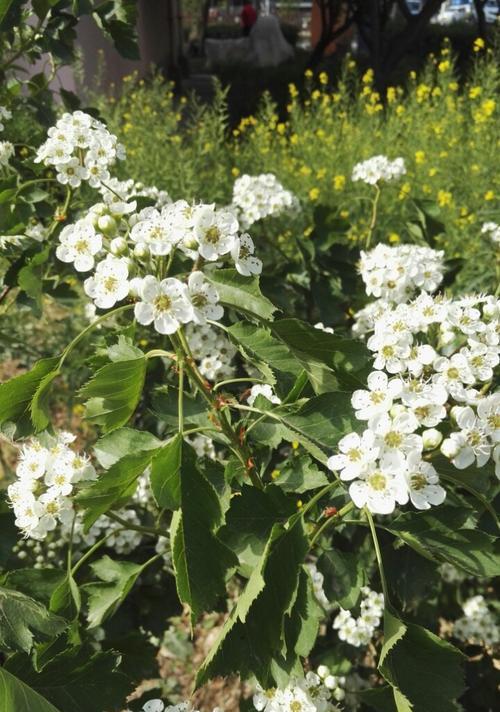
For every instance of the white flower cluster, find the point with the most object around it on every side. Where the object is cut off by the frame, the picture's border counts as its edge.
(203, 446)
(46, 474)
(212, 351)
(123, 541)
(5, 115)
(478, 626)
(81, 149)
(417, 387)
(127, 252)
(378, 168)
(318, 580)
(159, 706)
(313, 693)
(396, 273)
(450, 573)
(492, 230)
(6, 152)
(262, 390)
(262, 196)
(359, 631)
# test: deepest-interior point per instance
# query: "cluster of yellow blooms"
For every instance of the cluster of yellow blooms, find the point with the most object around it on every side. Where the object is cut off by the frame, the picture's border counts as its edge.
(447, 133)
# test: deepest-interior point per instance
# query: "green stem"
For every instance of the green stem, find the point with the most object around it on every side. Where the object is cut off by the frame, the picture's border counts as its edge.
(180, 410)
(378, 555)
(160, 352)
(238, 448)
(331, 521)
(92, 549)
(373, 220)
(33, 182)
(149, 531)
(237, 380)
(69, 348)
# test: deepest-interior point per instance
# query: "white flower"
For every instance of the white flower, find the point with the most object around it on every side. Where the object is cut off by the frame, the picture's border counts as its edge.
(5, 114)
(79, 244)
(423, 482)
(215, 231)
(356, 454)
(358, 631)
(6, 152)
(262, 390)
(321, 327)
(488, 411)
(378, 398)
(482, 359)
(392, 352)
(378, 168)
(153, 230)
(493, 230)
(154, 706)
(71, 173)
(379, 490)
(453, 373)
(471, 443)
(258, 197)
(204, 299)
(164, 303)
(396, 436)
(109, 284)
(244, 260)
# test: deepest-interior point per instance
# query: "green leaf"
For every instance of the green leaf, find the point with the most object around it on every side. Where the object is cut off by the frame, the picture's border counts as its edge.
(106, 596)
(16, 395)
(124, 441)
(4, 9)
(242, 293)
(16, 696)
(166, 474)
(424, 671)
(437, 533)
(20, 616)
(344, 575)
(320, 423)
(66, 599)
(328, 359)
(264, 351)
(300, 474)
(117, 483)
(39, 408)
(114, 392)
(249, 521)
(40, 583)
(77, 680)
(201, 561)
(254, 633)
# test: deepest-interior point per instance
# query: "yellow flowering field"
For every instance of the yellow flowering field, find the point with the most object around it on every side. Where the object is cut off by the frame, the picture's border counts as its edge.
(446, 132)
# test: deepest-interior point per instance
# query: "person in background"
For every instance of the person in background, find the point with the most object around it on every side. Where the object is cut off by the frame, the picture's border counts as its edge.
(248, 17)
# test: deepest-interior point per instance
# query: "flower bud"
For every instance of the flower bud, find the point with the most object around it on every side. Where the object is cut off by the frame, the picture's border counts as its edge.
(397, 409)
(450, 448)
(323, 671)
(490, 311)
(339, 694)
(330, 682)
(135, 287)
(431, 439)
(141, 250)
(118, 246)
(107, 225)
(191, 243)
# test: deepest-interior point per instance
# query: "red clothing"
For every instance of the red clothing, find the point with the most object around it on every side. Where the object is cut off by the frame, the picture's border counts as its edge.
(248, 16)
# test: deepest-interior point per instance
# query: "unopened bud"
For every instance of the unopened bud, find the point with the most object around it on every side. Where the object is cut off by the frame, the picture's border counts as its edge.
(107, 225)
(323, 671)
(450, 448)
(431, 439)
(331, 682)
(396, 410)
(118, 246)
(339, 694)
(141, 250)
(135, 287)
